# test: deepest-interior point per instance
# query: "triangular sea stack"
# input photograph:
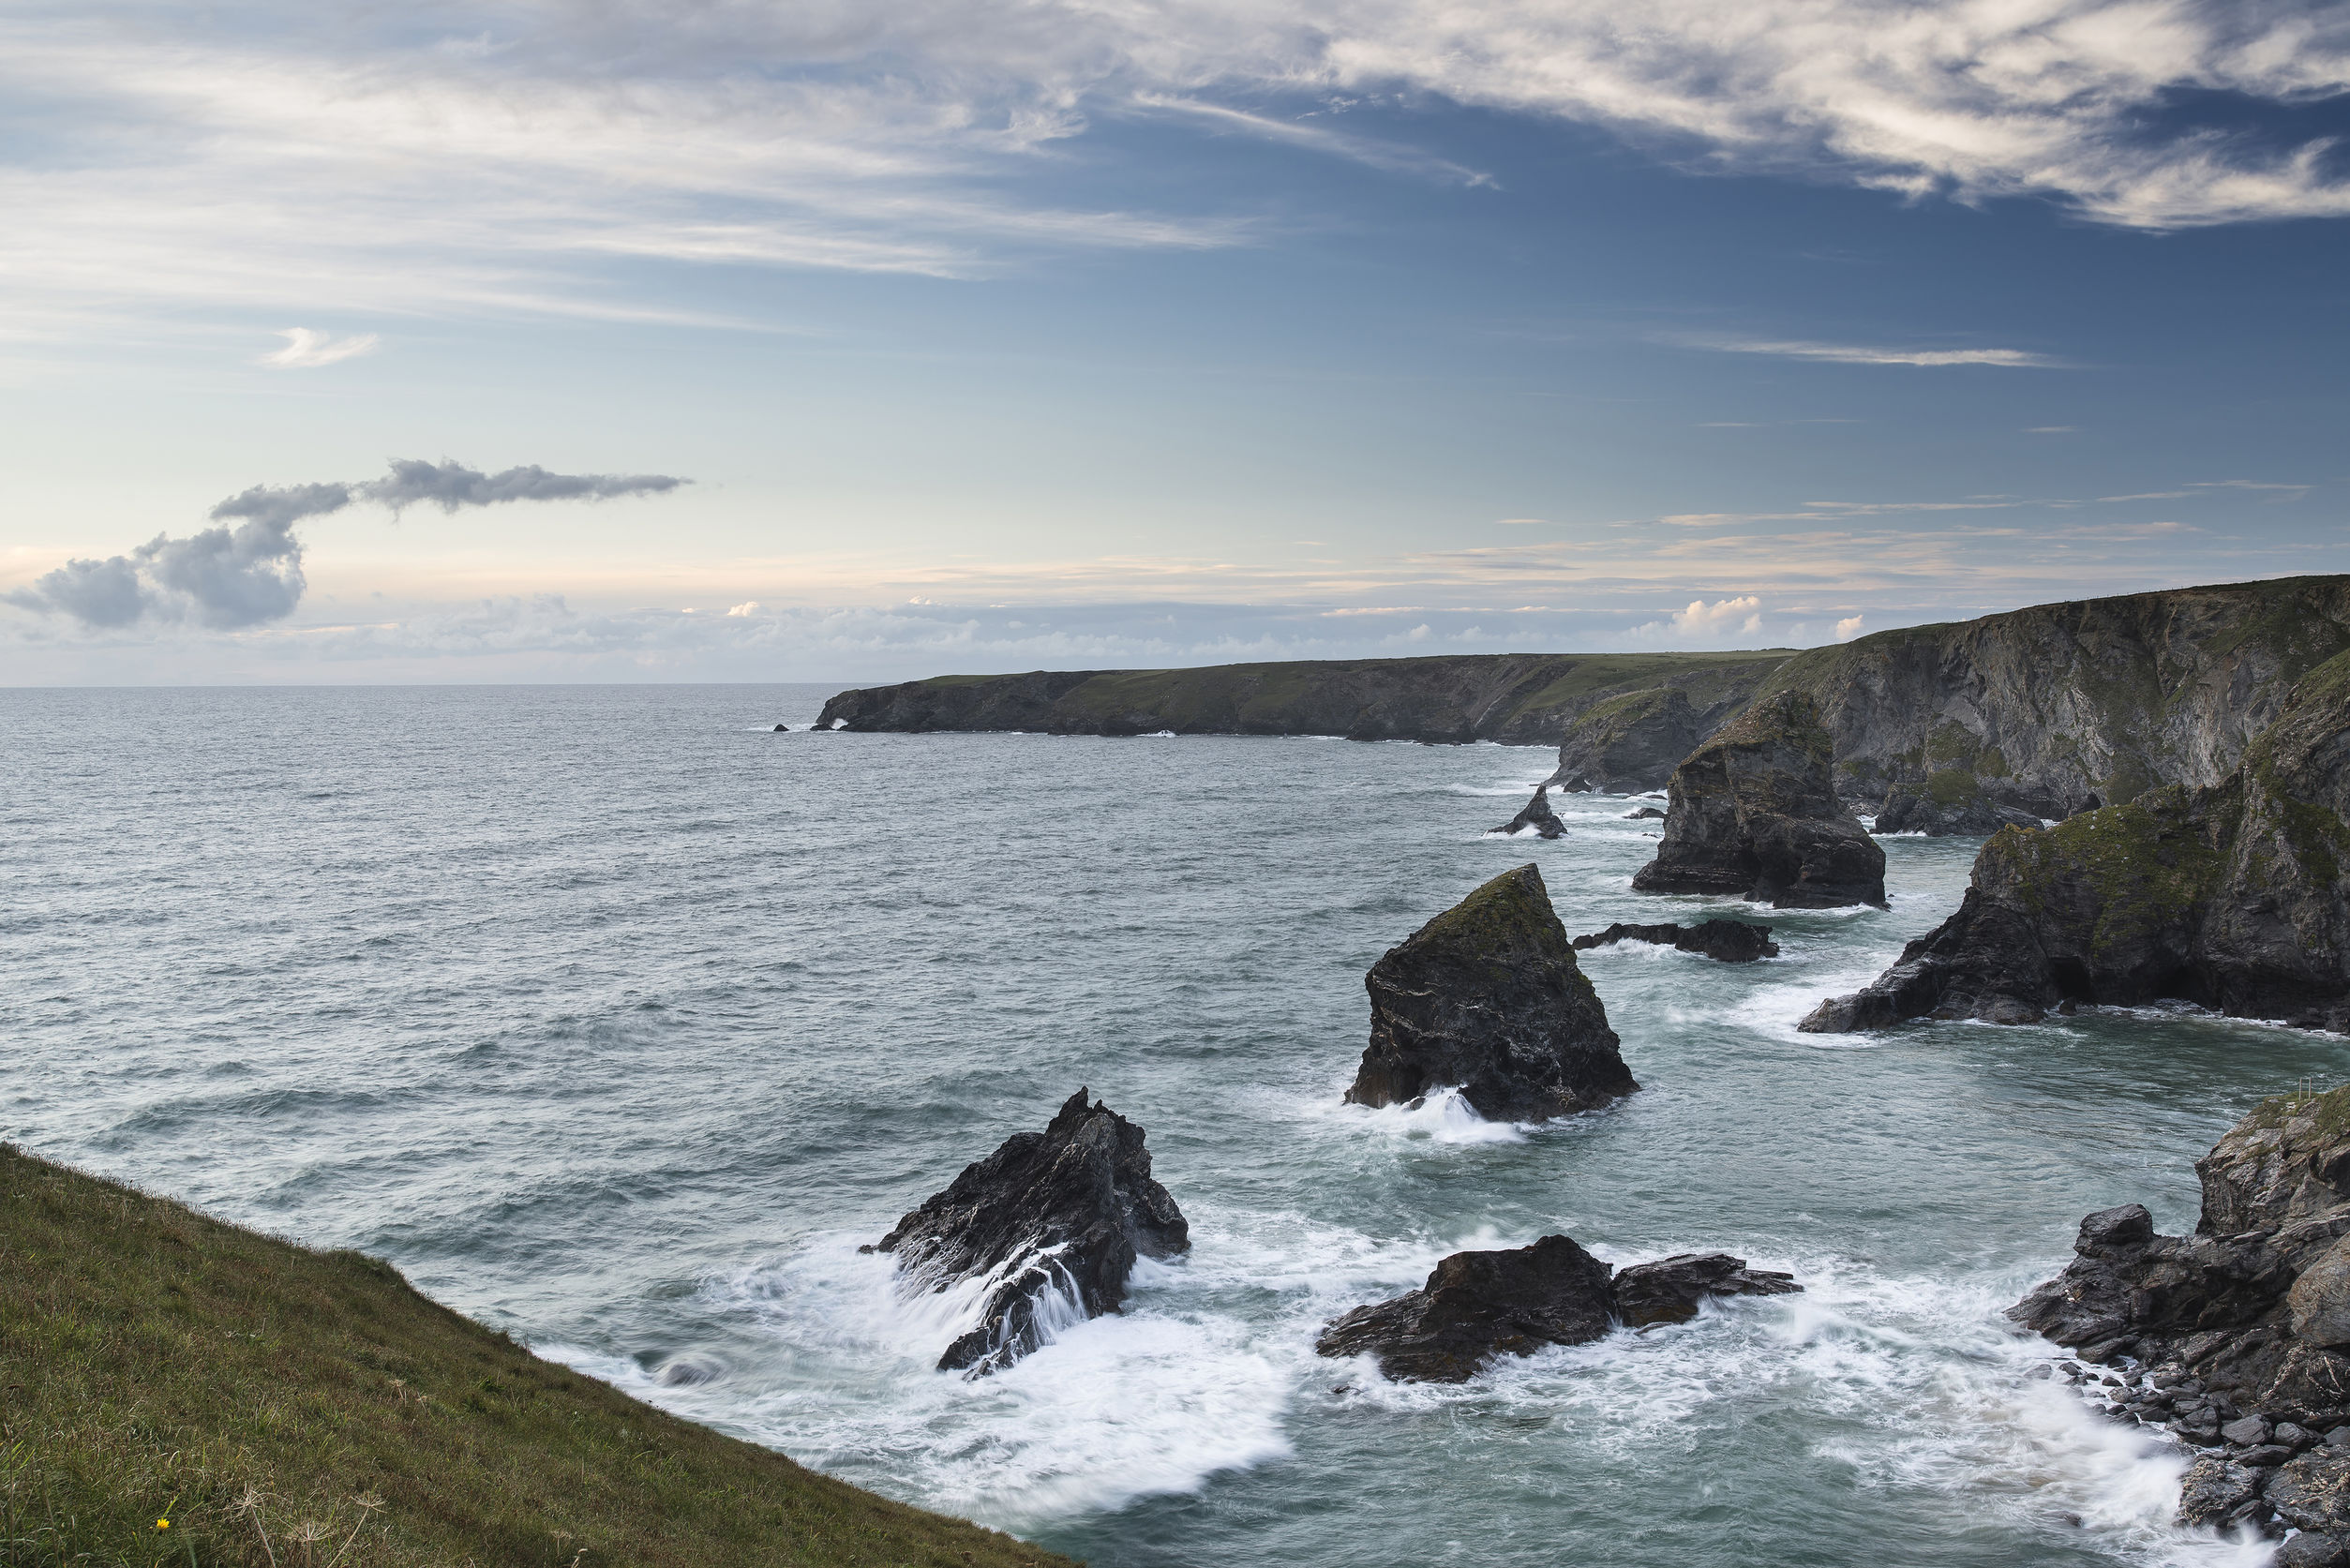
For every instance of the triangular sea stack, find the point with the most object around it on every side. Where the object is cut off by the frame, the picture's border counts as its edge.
(1488, 998)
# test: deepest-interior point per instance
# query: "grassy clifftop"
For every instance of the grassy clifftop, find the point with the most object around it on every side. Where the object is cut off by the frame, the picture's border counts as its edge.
(287, 1407)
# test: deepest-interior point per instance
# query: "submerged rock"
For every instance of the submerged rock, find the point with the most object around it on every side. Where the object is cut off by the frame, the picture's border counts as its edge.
(1488, 998)
(1538, 816)
(1907, 811)
(1730, 941)
(1754, 812)
(1644, 813)
(2231, 1334)
(1052, 1220)
(1479, 1304)
(2232, 897)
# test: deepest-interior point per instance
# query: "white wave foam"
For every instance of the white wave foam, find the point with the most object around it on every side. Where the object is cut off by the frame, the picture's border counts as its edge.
(1444, 1116)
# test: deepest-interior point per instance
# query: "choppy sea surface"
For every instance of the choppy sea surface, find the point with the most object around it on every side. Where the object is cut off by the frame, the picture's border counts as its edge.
(617, 1020)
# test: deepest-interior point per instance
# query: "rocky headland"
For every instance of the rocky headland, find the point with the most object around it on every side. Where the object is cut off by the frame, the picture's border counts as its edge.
(1488, 998)
(1730, 941)
(1753, 814)
(1525, 699)
(1476, 1306)
(2231, 896)
(1052, 1221)
(2235, 1339)
(1905, 810)
(1538, 816)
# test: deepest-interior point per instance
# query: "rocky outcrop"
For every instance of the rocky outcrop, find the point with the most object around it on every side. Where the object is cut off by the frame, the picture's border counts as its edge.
(1488, 998)
(1670, 1289)
(1051, 1223)
(1910, 810)
(1645, 813)
(1516, 698)
(1476, 1306)
(1537, 815)
(1752, 813)
(1730, 941)
(2232, 897)
(2236, 1338)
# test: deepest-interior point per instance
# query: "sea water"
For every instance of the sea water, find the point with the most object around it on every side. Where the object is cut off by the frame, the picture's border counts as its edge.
(619, 1020)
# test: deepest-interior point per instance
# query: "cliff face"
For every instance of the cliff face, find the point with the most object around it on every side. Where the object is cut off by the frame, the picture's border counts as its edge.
(1754, 815)
(1517, 698)
(2063, 707)
(2232, 896)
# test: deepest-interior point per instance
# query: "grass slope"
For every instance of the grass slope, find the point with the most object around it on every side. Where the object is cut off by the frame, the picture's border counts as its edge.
(156, 1364)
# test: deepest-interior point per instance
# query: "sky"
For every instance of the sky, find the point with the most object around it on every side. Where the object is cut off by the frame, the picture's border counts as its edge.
(509, 340)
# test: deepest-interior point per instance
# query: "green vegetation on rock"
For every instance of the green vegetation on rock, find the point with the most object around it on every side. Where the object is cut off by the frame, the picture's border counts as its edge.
(281, 1406)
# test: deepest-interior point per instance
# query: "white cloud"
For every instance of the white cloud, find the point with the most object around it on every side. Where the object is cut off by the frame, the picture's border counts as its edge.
(1703, 623)
(494, 155)
(1855, 353)
(306, 349)
(1848, 628)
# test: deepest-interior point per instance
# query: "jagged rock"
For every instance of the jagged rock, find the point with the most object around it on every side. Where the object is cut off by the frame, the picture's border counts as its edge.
(782, 728)
(1487, 997)
(1907, 811)
(2219, 1306)
(2314, 1492)
(2218, 1491)
(1479, 1304)
(1052, 1220)
(1669, 1290)
(2313, 1550)
(1644, 813)
(1730, 941)
(1538, 816)
(1752, 813)
(2232, 897)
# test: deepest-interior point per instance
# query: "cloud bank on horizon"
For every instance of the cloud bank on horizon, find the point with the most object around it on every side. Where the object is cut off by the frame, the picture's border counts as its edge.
(225, 578)
(372, 159)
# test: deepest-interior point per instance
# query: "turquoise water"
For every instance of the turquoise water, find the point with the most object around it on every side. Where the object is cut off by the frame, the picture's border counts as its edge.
(619, 1021)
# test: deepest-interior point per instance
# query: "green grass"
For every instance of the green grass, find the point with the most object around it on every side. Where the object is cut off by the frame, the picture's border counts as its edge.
(282, 1406)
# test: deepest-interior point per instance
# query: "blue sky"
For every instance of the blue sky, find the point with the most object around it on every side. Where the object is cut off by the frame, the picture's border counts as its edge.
(1005, 336)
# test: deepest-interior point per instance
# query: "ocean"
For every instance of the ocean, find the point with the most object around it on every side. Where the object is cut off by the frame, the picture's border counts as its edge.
(617, 1020)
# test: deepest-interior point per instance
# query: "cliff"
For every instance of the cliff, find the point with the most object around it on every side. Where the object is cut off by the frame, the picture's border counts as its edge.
(160, 1365)
(1516, 698)
(2063, 707)
(2231, 896)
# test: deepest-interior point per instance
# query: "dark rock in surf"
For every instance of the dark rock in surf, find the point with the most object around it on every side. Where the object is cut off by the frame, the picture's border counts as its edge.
(1753, 812)
(1730, 941)
(1669, 1290)
(1056, 1216)
(1644, 813)
(2233, 897)
(1479, 1304)
(1538, 816)
(1488, 998)
(1907, 811)
(780, 729)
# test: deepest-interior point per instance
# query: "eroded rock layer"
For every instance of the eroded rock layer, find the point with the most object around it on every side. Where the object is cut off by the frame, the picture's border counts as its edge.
(1051, 1223)
(1488, 998)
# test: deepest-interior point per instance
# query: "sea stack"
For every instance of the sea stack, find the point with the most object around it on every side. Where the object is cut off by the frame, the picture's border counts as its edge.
(1753, 814)
(1056, 1219)
(1488, 998)
(1538, 816)
(2232, 897)
(1476, 1306)
(2236, 1338)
